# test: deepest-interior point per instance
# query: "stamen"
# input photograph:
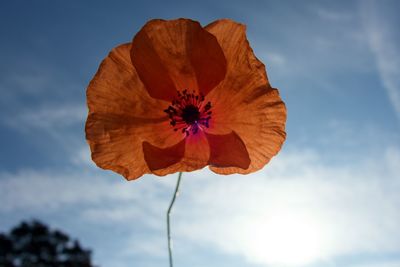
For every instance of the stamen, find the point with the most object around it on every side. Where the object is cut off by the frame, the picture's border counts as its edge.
(188, 114)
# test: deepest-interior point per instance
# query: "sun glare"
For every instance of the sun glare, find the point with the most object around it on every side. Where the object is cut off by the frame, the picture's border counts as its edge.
(283, 240)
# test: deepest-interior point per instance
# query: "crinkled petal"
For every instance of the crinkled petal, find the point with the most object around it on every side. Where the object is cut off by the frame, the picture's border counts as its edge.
(227, 150)
(260, 122)
(162, 158)
(176, 55)
(122, 116)
(196, 155)
(244, 102)
(197, 152)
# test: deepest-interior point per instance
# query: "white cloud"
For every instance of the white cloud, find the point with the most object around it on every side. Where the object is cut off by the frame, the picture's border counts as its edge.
(96, 198)
(27, 81)
(50, 190)
(273, 59)
(81, 156)
(384, 43)
(332, 15)
(48, 118)
(298, 210)
(151, 246)
(389, 263)
(53, 123)
(27, 77)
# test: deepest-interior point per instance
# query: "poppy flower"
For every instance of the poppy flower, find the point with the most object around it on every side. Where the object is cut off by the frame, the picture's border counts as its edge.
(180, 97)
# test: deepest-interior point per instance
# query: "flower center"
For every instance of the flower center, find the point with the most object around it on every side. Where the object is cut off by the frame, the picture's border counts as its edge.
(188, 113)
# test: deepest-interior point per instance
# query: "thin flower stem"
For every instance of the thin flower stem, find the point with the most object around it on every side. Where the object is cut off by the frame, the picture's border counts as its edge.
(168, 215)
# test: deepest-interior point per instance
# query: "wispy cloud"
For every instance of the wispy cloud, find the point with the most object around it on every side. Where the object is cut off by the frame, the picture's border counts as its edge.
(27, 82)
(52, 189)
(53, 124)
(277, 60)
(298, 205)
(40, 99)
(386, 263)
(331, 14)
(81, 156)
(47, 118)
(384, 42)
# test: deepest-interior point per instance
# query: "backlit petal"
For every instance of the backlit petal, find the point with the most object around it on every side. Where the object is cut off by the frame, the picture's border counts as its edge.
(177, 55)
(128, 130)
(196, 156)
(161, 158)
(244, 101)
(260, 123)
(122, 116)
(228, 150)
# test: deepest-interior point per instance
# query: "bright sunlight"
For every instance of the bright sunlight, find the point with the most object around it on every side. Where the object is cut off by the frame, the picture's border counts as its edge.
(283, 239)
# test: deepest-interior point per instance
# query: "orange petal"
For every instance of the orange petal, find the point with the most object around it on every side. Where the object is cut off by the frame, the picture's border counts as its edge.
(177, 55)
(244, 70)
(161, 158)
(197, 153)
(228, 151)
(260, 122)
(244, 101)
(122, 116)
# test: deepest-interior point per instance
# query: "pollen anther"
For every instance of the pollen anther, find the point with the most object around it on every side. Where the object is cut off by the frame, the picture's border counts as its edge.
(188, 113)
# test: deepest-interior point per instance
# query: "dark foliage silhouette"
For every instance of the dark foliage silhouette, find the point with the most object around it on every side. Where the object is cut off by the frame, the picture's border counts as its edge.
(33, 244)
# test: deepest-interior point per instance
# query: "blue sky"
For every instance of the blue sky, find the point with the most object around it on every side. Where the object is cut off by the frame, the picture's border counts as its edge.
(330, 198)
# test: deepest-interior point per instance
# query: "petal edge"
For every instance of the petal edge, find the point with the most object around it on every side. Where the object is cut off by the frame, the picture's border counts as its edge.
(161, 158)
(228, 150)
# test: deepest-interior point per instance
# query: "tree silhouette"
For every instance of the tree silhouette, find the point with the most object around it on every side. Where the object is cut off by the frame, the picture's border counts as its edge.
(33, 244)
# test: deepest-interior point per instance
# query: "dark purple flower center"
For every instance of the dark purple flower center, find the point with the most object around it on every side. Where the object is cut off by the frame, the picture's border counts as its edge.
(188, 113)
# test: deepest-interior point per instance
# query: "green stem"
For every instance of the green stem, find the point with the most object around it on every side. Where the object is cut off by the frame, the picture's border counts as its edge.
(168, 215)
